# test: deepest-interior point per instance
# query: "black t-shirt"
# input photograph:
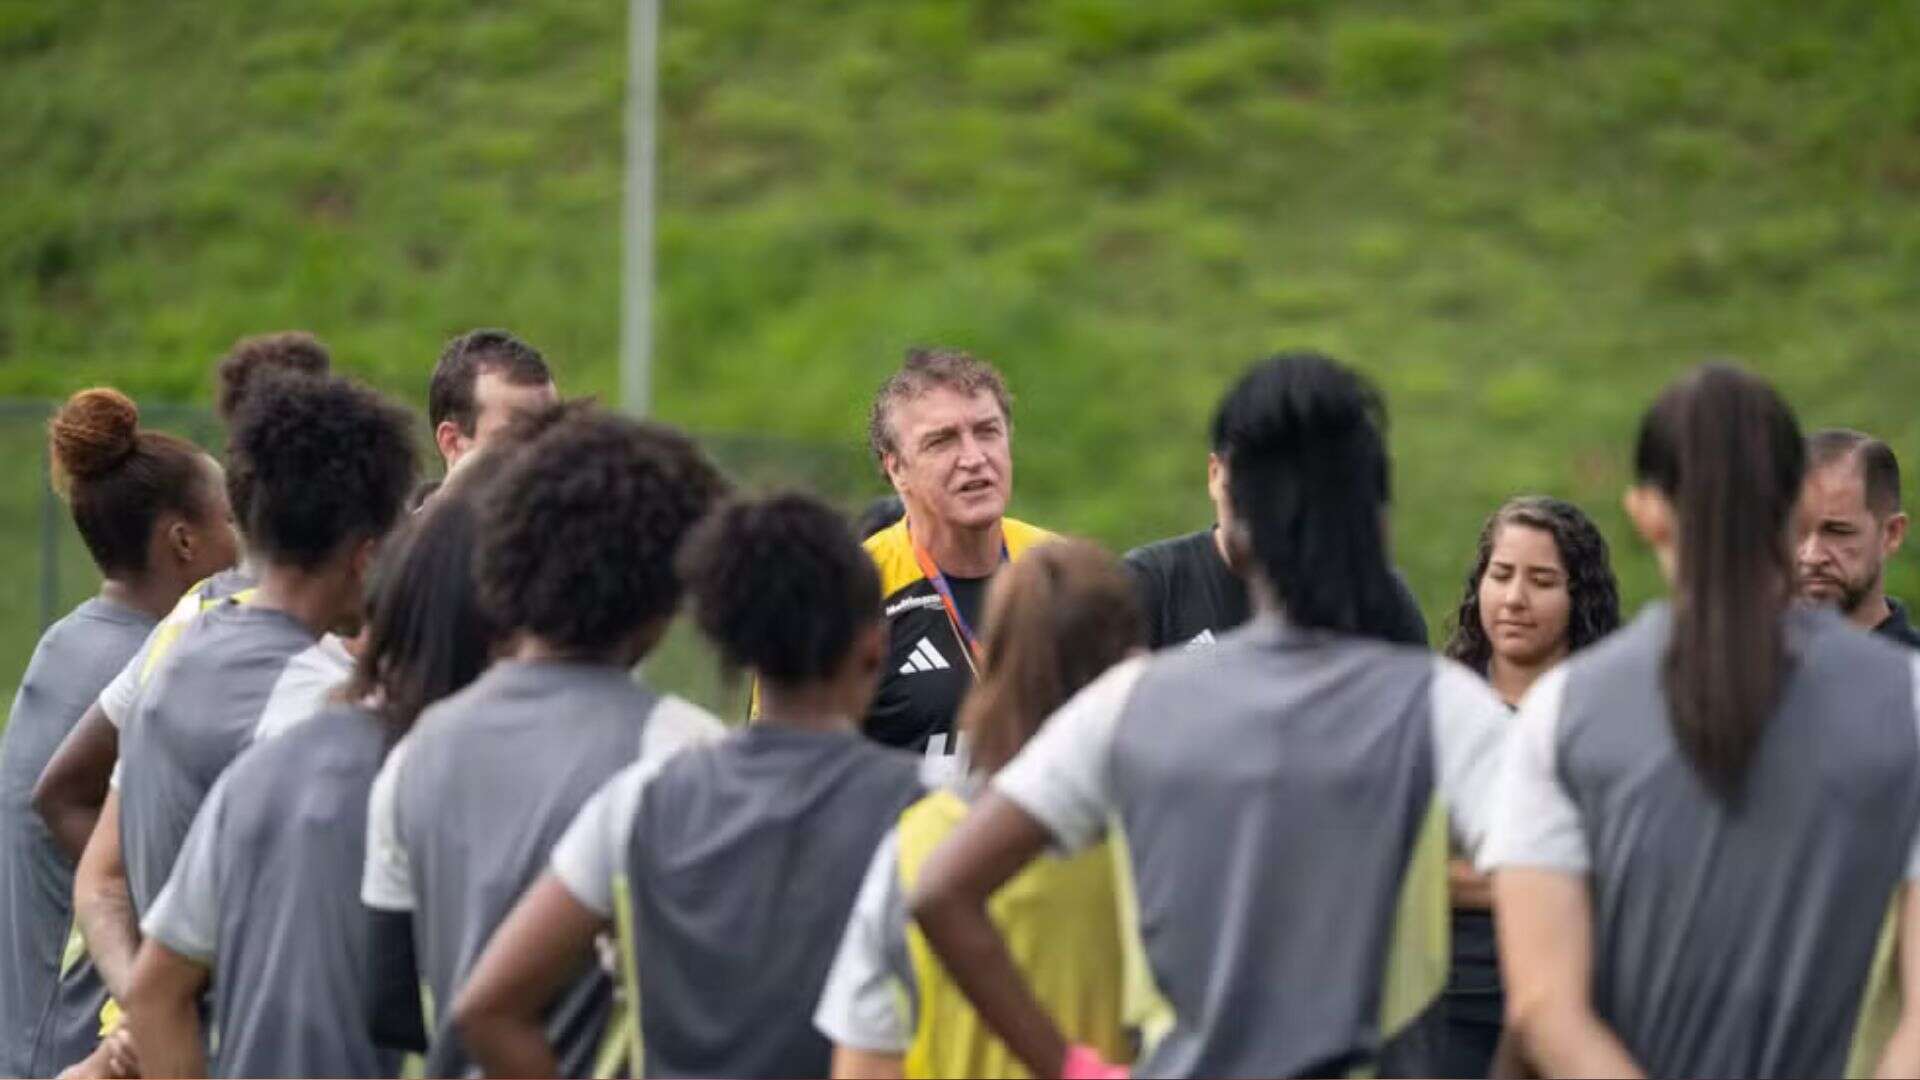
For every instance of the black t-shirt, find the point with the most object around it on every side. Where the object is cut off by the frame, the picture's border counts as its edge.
(1190, 596)
(928, 669)
(1896, 627)
(970, 596)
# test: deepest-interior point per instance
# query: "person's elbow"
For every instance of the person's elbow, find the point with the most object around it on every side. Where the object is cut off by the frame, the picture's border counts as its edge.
(54, 797)
(931, 899)
(158, 988)
(1531, 1011)
(475, 1016)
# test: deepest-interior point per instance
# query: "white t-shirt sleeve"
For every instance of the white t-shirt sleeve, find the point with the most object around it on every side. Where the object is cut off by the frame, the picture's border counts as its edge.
(1470, 728)
(593, 850)
(122, 695)
(1913, 857)
(868, 1002)
(676, 724)
(1064, 776)
(186, 915)
(1536, 823)
(386, 882)
(303, 686)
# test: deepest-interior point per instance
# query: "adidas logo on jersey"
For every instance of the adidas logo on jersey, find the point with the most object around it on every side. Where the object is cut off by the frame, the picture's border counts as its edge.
(1200, 640)
(924, 658)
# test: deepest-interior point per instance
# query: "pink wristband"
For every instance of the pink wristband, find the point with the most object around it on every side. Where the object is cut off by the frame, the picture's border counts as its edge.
(1085, 1063)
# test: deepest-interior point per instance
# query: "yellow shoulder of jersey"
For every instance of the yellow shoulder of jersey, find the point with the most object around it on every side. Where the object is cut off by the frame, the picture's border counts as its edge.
(1021, 536)
(892, 551)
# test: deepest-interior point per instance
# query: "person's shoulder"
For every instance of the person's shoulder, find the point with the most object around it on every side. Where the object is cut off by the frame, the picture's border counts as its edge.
(92, 622)
(1823, 632)
(444, 718)
(1160, 556)
(889, 764)
(891, 550)
(1020, 536)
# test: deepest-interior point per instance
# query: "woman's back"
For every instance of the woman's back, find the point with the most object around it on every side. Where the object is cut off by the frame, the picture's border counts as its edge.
(742, 862)
(1732, 937)
(1278, 798)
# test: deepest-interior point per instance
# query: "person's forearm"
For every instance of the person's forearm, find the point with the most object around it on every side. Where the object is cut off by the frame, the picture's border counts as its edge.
(1571, 1042)
(508, 1045)
(70, 819)
(72, 788)
(852, 1064)
(105, 918)
(1901, 1057)
(976, 955)
(103, 910)
(166, 1031)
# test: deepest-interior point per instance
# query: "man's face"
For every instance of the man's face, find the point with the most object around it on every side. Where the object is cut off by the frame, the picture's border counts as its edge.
(497, 401)
(1840, 547)
(952, 459)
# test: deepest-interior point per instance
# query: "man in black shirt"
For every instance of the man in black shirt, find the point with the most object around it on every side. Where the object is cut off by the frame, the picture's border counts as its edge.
(1190, 593)
(1850, 524)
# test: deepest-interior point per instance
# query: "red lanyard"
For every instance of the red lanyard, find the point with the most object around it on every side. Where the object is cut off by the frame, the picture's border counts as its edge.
(939, 580)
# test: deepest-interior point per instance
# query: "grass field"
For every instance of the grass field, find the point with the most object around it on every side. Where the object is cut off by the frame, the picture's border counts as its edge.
(1521, 217)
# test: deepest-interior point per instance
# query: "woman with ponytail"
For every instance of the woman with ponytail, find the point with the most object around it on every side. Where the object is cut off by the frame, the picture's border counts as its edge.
(1709, 819)
(1279, 804)
(1056, 620)
(152, 511)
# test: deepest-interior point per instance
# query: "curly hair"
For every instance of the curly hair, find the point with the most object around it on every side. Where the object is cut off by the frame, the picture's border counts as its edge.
(287, 352)
(1593, 594)
(583, 525)
(779, 585)
(315, 462)
(118, 479)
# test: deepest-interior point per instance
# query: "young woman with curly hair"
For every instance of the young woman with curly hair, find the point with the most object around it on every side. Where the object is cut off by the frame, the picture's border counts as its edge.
(732, 866)
(575, 566)
(1541, 588)
(263, 904)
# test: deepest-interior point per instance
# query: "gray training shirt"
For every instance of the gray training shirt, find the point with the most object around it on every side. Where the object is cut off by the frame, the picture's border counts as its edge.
(75, 659)
(465, 814)
(742, 861)
(266, 895)
(1727, 941)
(201, 706)
(1270, 794)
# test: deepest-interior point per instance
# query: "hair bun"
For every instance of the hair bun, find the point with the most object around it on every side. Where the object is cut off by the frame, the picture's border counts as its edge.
(92, 434)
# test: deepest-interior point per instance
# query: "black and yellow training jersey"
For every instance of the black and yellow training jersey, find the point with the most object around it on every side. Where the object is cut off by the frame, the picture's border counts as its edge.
(928, 667)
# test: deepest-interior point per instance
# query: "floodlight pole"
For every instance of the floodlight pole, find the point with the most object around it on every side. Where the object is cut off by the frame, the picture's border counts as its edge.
(636, 277)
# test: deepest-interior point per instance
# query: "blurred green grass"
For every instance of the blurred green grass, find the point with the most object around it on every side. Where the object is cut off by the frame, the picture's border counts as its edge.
(1521, 217)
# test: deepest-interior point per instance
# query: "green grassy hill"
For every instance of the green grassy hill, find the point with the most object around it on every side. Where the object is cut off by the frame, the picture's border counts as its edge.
(1521, 217)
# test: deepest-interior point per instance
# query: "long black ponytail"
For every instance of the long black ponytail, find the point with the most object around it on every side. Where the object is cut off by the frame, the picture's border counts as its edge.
(1724, 448)
(1307, 469)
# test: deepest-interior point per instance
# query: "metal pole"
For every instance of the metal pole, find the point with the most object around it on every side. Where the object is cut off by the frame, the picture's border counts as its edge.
(636, 279)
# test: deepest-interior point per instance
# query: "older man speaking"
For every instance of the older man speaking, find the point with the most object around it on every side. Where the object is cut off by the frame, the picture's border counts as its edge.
(942, 430)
